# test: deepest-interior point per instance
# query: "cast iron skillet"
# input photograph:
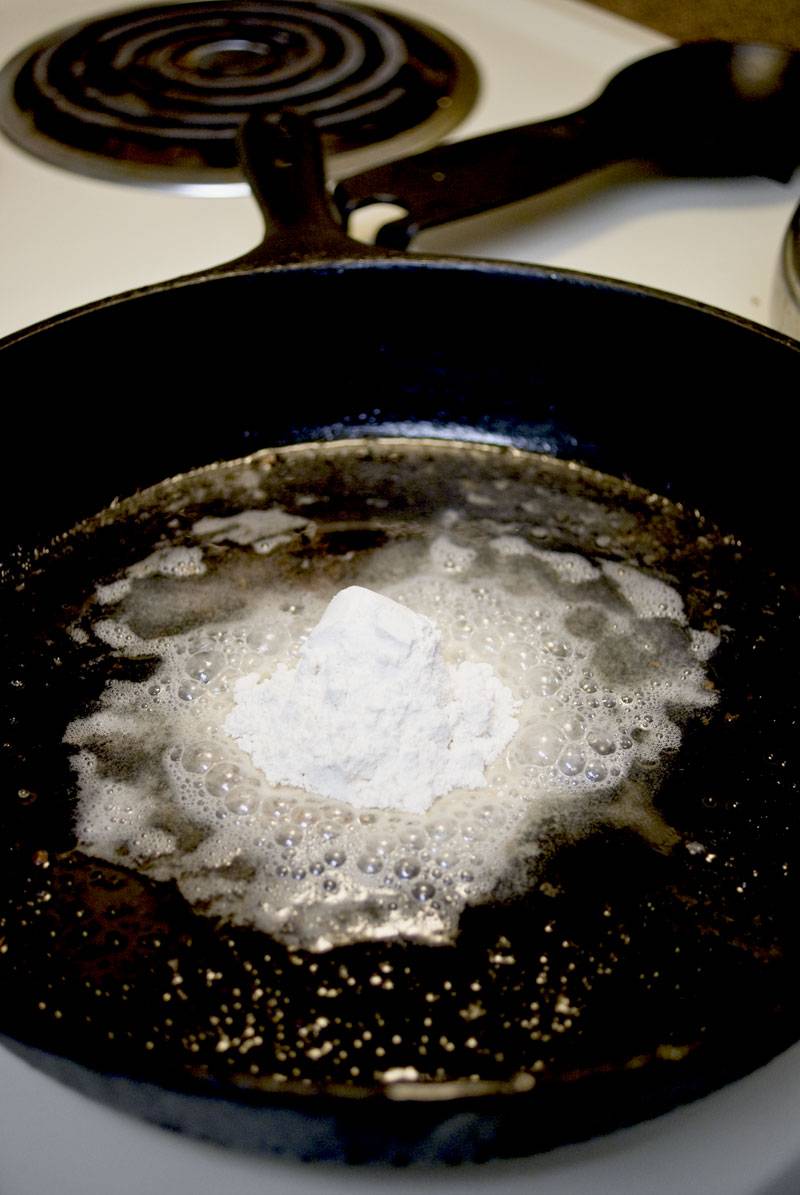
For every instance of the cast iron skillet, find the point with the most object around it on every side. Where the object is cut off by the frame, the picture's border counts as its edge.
(314, 336)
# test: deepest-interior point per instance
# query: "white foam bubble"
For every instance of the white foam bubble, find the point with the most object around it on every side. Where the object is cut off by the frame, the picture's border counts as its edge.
(648, 596)
(115, 634)
(703, 644)
(248, 526)
(169, 562)
(109, 595)
(511, 545)
(449, 557)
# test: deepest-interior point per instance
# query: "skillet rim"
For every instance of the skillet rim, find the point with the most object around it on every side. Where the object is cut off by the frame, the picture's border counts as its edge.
(321, 262)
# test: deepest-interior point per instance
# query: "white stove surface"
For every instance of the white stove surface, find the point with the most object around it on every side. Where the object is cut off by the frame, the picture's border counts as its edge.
(65, 240)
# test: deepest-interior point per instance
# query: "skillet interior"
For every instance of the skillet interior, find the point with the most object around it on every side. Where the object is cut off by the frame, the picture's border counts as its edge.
(631, 384)
(679, 400)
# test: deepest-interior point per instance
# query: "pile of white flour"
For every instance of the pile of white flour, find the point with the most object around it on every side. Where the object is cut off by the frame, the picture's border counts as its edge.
(371, 714)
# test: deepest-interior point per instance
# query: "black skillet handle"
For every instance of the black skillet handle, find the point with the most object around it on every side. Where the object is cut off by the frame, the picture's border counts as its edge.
(281, 154)
(702, 109)
(461, 179)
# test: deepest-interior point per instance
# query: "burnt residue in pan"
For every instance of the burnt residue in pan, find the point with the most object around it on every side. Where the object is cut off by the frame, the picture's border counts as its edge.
(651, 955)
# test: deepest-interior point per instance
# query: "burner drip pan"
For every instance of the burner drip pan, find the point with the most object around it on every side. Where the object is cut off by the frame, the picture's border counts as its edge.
(155, 96)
